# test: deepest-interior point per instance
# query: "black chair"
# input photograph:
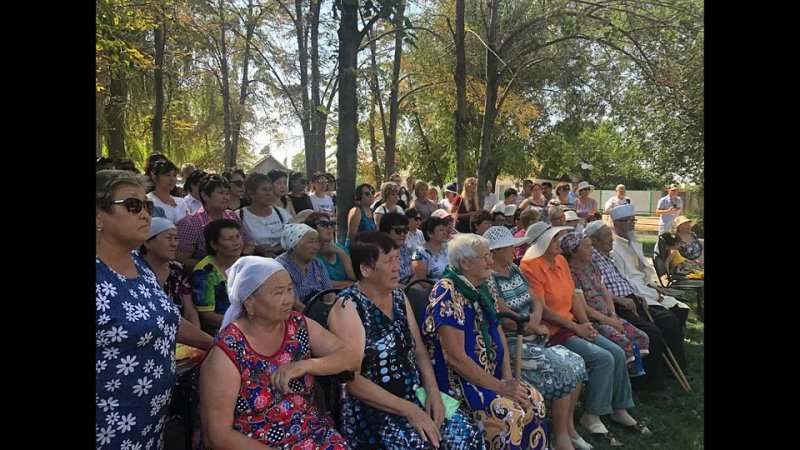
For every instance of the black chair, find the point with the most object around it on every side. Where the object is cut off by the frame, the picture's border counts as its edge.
(675, 282)
(418, 295)
(317, 308)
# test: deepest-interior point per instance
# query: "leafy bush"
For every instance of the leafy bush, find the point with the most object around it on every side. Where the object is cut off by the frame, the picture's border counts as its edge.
(699, 227)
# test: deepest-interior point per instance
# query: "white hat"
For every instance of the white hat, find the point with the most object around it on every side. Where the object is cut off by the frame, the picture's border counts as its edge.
(303, 215)
(293, 233)
(157, 225)
(584, 185)
(541, 235)
(246, 275)
(570, 215)
(510, 210)
(500, 237)
(593, 227)
(622, 211)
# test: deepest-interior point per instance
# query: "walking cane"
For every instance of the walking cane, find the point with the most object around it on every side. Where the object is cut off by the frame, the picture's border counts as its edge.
(520, 321)
(672, 363)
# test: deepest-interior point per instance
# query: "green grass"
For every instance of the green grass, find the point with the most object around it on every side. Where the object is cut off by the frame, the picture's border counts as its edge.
(677, 424)
(648, 242)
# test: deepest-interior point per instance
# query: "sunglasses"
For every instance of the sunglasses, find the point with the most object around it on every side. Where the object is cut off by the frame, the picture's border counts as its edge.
(413, 217)
(367, 193)
(239, 183)
(323, 224)
(400, 230)
(134, 205)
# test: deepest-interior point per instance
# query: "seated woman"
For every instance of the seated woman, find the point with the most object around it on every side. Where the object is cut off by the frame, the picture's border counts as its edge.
(555, 371)
(224, 246)
(415, 238)
(331, 254)
(562, 197)
(390, 194)
(263, 219)
(676, 263)
(577, 249)
(374, 316)
(396, 226)
(309, 276)
(526, 218)
(159, 252)
(249, 400)
(608, 390)
(691, 248)
(470, 353)
(430, 260)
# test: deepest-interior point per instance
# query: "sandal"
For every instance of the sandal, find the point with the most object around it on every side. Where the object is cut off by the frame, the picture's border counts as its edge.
(608, 438)
(638, 428)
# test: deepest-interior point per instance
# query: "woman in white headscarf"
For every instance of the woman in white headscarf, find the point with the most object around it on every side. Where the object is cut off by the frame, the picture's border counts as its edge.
(309, 276)
(249, 400)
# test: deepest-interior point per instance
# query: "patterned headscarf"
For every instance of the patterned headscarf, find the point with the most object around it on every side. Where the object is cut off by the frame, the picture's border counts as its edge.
(244, 277)
(569, 242)
(292, 234)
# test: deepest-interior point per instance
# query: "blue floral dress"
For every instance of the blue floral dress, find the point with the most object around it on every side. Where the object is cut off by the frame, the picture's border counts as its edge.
(554, 371)
(506, 424)
(134, 357)
(389, 362)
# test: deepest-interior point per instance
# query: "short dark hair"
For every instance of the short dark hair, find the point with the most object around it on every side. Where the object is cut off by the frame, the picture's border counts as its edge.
(366, 247)
(193, 179)
(670, 238)
(210, 183)
(509, 192)
(314, 218)
(212, 230)
(412, 212)
(498, 213)
(390, 220)
(477, 218)
(127, 164)
(429, 225)
(102, 161)
(151, 161)
(163, 166)
(276, 174)
(294, 177)
(548, 184)
(253, 181)
(360, 188)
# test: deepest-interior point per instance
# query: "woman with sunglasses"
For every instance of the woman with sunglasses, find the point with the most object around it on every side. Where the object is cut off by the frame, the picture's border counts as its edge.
(137, 323)
(396, 226)
(215, 195)
(263, 219)
(297, 196)
(331, 254)
(164, 176)
(236, 180)
(415, 237)
(360, 218)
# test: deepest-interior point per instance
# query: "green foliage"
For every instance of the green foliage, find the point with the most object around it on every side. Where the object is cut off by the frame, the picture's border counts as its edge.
(299, 162)
(699, 227)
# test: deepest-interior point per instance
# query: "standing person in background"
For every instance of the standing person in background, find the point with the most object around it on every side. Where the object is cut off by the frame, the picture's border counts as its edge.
(360, 217)
(238, 198)
(421, 203)
(299, 199)
(450, 194)
(489, 197)
(547, 190)
(466, 205)
(669, 207)
(320, 200)
(619, 199)
(527, 191)
(411, 184)
(263, 220)
(192, 188)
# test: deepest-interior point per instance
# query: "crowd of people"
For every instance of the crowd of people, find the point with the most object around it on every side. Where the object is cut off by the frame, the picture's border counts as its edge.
(227, 263)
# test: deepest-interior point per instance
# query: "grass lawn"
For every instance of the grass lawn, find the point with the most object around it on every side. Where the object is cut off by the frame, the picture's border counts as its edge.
(648, 242)
(677, 424)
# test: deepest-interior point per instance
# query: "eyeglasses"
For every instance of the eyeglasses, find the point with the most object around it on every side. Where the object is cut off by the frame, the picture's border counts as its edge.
(626, 220)
(413, 217)
(367, 193)
(323, 224)
(321, 180)
(239, 183)
(400, 230)
(134, 205)
(486, 257)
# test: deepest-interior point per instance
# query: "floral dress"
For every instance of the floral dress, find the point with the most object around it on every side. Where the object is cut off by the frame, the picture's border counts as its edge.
(506, 424)
(554, 371)
(588, 279)
(135, 357)
(389, 362)
(691, 250)
(262, 411)
(437, 262)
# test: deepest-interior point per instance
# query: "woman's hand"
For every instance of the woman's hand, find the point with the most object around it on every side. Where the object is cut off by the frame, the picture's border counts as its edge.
(423, 423)
(434, 406)
(586, 331)
(615, 323)
(542, 330)
(513, 389)
(288, 372)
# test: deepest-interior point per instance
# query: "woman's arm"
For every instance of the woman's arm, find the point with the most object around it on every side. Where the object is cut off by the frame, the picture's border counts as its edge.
(345, 323)
(220, 382)
(353, 219)
(191, 334)
(331, 354)
(190, 311)
(377, 216)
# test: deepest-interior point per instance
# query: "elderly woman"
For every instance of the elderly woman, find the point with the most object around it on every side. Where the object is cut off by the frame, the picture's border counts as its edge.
(331, 254)
(556, 216)
(215, 195)
(577, 249)
(309, 276)
(562, 197)
(164, 177)
(360, 217)
(262, 218)
(397, 403)
(159, 252)
(422, 204)
(249, 400)
(470, 353)
(585, 205)
(390, 195)
(396, 226)
(690, 248)
(136, 322)
(555, 371)
(224, 246)
(608, 390)
(430, 260)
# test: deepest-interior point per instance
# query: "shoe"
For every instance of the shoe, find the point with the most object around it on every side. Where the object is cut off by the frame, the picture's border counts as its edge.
(637, 428)
(580, 444)
(608, 438)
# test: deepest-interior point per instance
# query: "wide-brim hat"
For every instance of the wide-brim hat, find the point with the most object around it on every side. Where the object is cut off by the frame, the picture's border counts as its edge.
(500, 237)
(680, 220)
(585, 185)
(541, 234)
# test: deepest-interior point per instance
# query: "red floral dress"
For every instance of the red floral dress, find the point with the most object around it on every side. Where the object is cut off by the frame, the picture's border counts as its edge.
(262, 412)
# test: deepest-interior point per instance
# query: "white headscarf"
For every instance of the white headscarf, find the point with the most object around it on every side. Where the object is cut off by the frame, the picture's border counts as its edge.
(244, 277)
(292, 234)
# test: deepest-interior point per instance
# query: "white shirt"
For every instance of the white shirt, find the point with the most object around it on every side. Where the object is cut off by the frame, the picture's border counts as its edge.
(266, 230)
(629, 259)
(414, 240)
(666, 221)
(192, 203)
(382, 210)
(490, 200)
(323, 204)
(171, 213)
(615, 201)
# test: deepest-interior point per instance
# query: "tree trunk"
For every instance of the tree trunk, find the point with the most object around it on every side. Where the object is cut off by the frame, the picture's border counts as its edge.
(394, 110)
(373, 142)
(375, 87)
(229, 152)
(347, 138)
(305, 117)
(159, 37)
(118, 92)
(99, 122)
(318, 117)
(490, 104)
(237, 117)
(461, 96)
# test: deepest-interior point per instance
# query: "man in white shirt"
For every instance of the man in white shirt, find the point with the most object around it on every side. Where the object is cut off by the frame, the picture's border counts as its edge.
(527, 192)
(669, 207)
(619, 199)
(489, 198)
